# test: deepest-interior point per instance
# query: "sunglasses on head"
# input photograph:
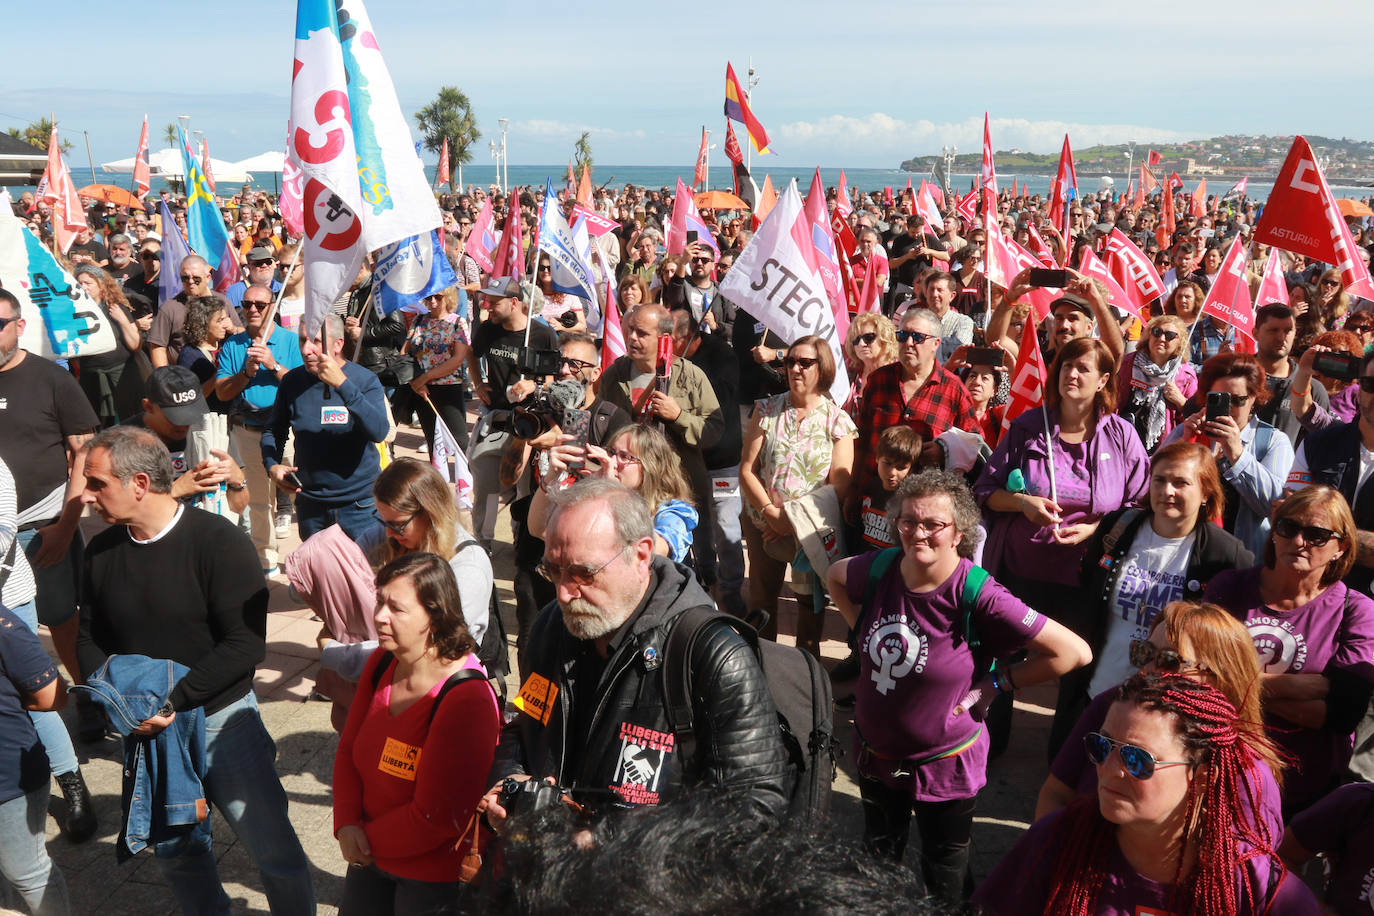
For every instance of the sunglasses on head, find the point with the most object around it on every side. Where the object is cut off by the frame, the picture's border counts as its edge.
(1161, 334)
(1137, 761)
(919, 336)
(866, 339)
(1143, 652)
(1288, 528)
(805, 362)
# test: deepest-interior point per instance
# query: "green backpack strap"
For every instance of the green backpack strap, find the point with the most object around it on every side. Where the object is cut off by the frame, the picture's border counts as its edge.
(968, 600)
(876, 570)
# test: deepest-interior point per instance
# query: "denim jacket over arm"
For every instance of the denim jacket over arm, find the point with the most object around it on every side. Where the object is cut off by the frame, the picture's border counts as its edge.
(163, 800)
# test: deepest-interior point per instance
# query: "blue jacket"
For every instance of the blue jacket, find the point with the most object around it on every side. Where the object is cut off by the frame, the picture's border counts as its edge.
(163, 801)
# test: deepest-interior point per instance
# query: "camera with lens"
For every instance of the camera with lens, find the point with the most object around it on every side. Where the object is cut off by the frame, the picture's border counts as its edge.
(524, 796)
(533, 363)
(545, 409)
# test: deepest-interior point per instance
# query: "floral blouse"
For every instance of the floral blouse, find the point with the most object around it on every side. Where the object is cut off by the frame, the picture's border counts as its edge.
(432, 342)
(797, 450)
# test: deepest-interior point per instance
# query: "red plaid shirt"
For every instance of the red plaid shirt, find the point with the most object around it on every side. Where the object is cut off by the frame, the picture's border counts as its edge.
(941, 403)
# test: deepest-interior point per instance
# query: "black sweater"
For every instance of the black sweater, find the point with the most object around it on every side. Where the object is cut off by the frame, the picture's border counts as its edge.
(196, 596)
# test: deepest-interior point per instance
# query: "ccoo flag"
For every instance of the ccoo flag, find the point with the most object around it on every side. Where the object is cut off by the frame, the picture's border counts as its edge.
(365, 186)
(408, 271)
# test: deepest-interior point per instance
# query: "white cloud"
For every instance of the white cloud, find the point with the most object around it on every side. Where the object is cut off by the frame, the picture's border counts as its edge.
(882, 136)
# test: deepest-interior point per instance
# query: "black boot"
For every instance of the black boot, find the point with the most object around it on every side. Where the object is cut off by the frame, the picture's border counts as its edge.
(80, 823)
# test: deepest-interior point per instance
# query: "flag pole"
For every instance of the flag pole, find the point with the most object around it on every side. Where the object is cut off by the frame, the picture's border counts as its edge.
(271, 315)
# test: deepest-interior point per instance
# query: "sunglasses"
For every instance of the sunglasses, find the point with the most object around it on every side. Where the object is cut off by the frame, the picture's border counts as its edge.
(805, 362)
(1143, 652)
(187, 278)
(1137, 761)
(147, 256)
(919, 336)
(254, 305)
(395, 527)
(866, 339)
(581, 575)
(6, 322)
(1331, 283)
(1288, 529)
(702, 260)
(544, 267)
(1161, 334)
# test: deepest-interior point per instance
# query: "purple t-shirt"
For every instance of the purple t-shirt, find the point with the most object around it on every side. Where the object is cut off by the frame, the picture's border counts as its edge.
(1342, 827)
(1072, 767)
(1334, 630)
(1039, 556)
(1019, 885)
(915, 668)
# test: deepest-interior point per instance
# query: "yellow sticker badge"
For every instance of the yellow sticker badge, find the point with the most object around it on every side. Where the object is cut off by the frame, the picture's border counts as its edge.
(399, 759)
(536, 698)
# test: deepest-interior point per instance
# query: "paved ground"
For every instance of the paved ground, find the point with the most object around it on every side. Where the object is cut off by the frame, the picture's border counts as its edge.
(305, 755)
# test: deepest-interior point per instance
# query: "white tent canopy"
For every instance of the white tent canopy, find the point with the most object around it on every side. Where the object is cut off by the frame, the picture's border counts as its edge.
(270, 161)
(166, 163)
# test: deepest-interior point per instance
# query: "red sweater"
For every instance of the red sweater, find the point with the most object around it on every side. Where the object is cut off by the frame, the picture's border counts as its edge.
(410, 785)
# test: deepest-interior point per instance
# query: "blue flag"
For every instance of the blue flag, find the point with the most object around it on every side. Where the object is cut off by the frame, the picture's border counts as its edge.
(568, 251)
(173, 250)
(409, 270)
(204, 225)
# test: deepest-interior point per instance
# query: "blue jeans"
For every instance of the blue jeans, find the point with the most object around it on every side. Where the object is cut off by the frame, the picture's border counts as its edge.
(24, 861)
(51, 730)
(57, 583)
(241, 780)
(355, 518)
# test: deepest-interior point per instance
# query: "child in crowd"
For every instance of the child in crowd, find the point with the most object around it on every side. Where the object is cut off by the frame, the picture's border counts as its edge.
(898, 449)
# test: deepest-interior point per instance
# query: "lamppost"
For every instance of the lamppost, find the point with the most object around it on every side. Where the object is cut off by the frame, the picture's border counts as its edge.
(949, 152)
(505, 162)
(1130, 159)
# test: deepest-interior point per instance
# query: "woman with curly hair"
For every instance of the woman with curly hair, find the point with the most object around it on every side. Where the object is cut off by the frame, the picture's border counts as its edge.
(207, 324)
(1170, 829)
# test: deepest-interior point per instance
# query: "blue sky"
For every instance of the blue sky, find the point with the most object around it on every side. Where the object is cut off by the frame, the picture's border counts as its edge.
(852, 84)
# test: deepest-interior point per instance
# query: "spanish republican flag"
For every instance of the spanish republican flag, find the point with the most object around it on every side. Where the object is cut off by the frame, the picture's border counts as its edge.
(737, 109)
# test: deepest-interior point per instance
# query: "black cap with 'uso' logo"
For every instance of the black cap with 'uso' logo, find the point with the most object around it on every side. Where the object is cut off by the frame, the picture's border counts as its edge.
(176, 390)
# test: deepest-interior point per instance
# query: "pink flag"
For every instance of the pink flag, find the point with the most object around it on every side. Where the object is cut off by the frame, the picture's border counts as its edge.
(686, 219)
(1091, 265)
(597, 225)
(1038, 246)
(1229, 298)
(1238, 188)
(613, 339)
(1005, 259)
(1301, 215)
(205, 162)
(482, 238)
(925, 205)
(292, 196)
(1135, 271)
(699, 176)
(58, 189)
(509, 260)
(826, 258)
(989, 170)
(442, 171)
(142, 183)
(842, 204)
(871, 295)
(1272, 288)
(1027, 377)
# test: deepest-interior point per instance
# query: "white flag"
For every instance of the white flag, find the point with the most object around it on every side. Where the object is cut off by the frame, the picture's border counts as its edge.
(448, 459)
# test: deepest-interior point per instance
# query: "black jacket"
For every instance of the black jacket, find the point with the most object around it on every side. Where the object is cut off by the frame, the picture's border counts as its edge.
(715, 357)
(623, 741)
(1213, 551)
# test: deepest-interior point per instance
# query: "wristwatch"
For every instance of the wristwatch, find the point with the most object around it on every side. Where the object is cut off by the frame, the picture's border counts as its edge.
(165, 709)
(236, 486)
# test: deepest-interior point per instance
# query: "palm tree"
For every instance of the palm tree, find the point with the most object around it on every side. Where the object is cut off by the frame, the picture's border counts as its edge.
(450, 117)
(170, 135)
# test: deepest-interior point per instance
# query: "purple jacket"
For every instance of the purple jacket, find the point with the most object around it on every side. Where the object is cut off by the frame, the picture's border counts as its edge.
(1120, 474)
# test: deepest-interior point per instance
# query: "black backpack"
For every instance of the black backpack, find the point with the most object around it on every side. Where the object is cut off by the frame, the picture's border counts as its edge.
(801, 690)
(494, 650)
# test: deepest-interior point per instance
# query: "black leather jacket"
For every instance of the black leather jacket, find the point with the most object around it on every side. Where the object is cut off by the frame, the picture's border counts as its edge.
(625, 743)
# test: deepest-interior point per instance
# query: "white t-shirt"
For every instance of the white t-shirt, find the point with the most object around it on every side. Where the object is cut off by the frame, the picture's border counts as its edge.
(1153, 573)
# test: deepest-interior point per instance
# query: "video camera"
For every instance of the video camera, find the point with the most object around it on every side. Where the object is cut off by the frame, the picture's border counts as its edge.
(546, 408)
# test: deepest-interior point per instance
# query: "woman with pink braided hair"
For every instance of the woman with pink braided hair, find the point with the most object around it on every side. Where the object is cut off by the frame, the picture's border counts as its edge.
(1168, 832)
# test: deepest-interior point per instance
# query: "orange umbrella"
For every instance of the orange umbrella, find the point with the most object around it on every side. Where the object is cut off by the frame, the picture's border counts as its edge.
(1350, 207)
(718, 200)
(111, 194)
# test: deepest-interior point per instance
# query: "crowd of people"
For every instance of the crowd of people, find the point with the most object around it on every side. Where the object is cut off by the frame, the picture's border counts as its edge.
(1181, 537)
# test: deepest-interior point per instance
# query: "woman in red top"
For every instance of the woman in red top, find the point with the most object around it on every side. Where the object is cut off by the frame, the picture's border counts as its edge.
(413, 759)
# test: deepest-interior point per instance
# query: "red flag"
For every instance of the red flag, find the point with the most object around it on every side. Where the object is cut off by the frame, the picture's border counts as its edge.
(510, 252)
(988, 172)
(584, 187)
(1027, 377)
(845, 246)
(1065, 181)
(737, 109)
(1229, 298)
(1003, 259)
(142, 183)
(1139, 202)
(58, 189)
(843, 206)
(1153, 159)
(824, 253)
(1038, 246)
(1301, 216)
(441, 172)
(967, 208)
(597, 225)
(1168, 223)
(1133, 269)
(767, 199)
(1091, 265)
(871, 298)
(732, 150)
(1148, 181)
(613, 341)
(699, 173)
(888, 197)
(1200, 200)
(1272, 288)
(1238, 188)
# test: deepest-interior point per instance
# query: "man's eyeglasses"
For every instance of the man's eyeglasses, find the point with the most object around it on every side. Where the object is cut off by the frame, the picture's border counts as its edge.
(147, 256)
(923, 527)
(188, 278)
(395, 527)
(1143, 652)
(1137, 761)
(804, 362)
(866, 339)
(581, 575)
(1314, 536)
(575, 365)
(1161, 334)
(705, 260)
(919, 336)
(255, 305)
